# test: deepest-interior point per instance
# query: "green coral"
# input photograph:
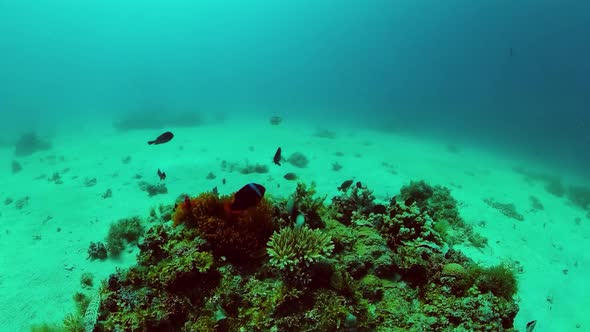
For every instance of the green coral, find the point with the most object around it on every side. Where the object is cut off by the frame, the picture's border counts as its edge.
(355, 199)
(366, 267)
(123, 231)
(305, 202)
(406, 224)
(498, 279)
(294, 247)
(189, 261)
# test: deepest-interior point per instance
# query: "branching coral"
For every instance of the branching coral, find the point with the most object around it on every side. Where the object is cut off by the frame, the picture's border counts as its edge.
(291, 248)
(305, 202)
(436, 201)
(406, 224)
(359, 199)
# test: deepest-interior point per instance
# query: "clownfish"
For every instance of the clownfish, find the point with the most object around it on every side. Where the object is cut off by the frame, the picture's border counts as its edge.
(248, 196)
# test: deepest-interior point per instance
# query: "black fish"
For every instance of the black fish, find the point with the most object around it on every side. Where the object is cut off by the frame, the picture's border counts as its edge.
(345, 185)
(359, 185)
(277, 158)
(215, 191)
(161, 174)
(247, 197)
(530, 326)
(164, 138)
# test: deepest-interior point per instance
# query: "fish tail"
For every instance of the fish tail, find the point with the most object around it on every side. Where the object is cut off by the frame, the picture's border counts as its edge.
(151, 142)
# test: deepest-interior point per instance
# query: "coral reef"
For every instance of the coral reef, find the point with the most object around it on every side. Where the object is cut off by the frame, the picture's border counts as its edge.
(256, 168)
(16, 167)
(355, 199)
(240, 237)
(123, 231)
(507, 209)
(30, 143)
(97, 250)
(298, 247)
(579, 196)
(298, 159)
(365, 267)
(153, 189)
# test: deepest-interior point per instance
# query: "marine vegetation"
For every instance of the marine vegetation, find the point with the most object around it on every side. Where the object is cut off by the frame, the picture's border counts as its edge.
(367, 266)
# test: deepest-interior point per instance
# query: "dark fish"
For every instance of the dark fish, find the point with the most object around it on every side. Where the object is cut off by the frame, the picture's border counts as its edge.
(164, 138)
(162, 175)
(530, 326)
(511, 52)
(290, 176)
(275, 120)
(359, 185)
(247, 197)
(215, 191)
(345, 185)
(277, 158)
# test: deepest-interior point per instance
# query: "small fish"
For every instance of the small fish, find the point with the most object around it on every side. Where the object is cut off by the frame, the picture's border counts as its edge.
(247, 197)
(359, 185)
(345, 185)
(215, 191)
(162, 175)
(164, 138)
(290, 176)
(530, 326)
(277, 158)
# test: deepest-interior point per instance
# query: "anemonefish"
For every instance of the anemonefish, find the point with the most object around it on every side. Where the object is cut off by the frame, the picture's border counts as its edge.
(247, 197)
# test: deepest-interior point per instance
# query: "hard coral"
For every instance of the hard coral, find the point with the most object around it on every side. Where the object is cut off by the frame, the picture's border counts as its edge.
(127, 230)
(359, 199)
(239, 236)
(305, 202)
(406, 224)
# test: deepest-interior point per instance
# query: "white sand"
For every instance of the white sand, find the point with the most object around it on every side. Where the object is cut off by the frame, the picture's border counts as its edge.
(39, 277)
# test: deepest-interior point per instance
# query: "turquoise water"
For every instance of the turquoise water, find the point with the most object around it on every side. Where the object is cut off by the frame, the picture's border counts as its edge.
(421, 66)
(508, 78)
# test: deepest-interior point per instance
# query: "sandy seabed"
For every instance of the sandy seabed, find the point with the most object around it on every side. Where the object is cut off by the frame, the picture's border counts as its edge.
(43, 244)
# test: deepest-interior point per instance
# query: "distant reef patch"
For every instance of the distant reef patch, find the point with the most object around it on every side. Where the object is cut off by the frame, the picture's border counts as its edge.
(158, 119)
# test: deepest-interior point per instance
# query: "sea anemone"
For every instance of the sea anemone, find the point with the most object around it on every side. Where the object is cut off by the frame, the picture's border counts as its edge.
(299, 246)
(239, 236)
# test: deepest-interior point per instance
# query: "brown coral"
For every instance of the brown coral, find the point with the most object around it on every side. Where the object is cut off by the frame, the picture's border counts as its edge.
(237, 236)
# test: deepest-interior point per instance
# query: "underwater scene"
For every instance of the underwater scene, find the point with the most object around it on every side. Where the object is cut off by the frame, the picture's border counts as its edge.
(294, 165)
